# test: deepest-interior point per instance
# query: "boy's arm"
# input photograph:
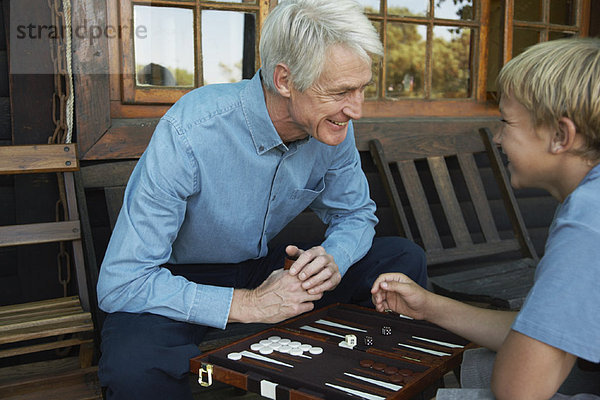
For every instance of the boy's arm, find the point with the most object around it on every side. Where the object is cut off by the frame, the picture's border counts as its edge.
(399, 293)
(526, 368)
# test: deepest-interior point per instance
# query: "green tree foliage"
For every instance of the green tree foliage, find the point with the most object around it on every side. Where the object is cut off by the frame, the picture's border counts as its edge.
(451, 69)
(184, 77)
(405, 60)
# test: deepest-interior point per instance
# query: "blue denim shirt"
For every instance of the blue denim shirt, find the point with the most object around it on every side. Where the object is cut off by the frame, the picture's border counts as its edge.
(214, 185)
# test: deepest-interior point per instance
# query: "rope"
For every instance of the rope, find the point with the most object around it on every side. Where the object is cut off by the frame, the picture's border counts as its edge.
(69, 77)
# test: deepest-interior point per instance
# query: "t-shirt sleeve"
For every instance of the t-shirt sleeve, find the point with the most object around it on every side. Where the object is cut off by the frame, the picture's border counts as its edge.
(562, 308)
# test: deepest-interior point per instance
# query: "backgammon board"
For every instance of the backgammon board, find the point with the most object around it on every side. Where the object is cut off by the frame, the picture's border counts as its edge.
(337, 352)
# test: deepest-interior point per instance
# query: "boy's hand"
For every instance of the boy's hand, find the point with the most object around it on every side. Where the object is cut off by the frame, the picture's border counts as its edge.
(315, 268)
(397, 292)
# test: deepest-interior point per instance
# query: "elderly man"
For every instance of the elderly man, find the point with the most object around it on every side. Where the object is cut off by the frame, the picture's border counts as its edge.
(227, 168)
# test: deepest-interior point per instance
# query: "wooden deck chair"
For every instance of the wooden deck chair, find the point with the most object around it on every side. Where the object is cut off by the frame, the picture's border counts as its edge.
(54, 323)
(442, 188)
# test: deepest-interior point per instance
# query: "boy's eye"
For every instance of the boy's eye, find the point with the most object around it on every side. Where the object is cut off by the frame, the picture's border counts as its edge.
(503, 121)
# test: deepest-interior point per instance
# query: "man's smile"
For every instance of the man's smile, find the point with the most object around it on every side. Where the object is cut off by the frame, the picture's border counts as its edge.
(338, 123)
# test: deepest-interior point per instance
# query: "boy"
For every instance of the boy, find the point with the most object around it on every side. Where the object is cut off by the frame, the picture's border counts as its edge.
(550, 106)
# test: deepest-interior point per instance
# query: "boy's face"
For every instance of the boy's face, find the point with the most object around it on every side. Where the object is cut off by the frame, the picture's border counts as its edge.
(527, 148)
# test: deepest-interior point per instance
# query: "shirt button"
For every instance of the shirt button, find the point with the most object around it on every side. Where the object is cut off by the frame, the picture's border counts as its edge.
(261, 148)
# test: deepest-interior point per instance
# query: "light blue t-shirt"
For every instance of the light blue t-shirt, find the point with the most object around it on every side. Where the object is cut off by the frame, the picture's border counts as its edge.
(563, 307)
(215, 184)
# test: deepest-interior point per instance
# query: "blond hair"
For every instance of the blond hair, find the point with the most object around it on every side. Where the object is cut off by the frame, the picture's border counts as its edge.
(559, 78)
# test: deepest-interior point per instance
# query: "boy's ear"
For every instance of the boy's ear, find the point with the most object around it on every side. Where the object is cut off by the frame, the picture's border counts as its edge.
(281, 79)
(564, 138)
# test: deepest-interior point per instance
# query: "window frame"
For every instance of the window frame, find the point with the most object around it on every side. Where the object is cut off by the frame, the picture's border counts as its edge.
(135, 94)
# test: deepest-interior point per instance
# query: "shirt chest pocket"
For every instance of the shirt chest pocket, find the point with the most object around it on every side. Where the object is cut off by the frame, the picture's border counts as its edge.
(303, 197)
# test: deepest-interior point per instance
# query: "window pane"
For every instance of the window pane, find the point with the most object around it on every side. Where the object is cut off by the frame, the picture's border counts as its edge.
(562, 12)
(415, 8)
(223, 49)
(405, 60)
(371, 6)
(451, 70)
(372, 91)
(523, 38)
(235, 1)
(452, 9)
(164, 46)
(528, 10)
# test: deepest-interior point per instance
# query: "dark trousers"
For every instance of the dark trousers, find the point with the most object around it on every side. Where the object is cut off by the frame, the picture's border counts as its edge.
(146, 356)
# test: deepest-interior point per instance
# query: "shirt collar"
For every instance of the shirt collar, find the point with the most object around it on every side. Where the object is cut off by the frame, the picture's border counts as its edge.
(262, 130)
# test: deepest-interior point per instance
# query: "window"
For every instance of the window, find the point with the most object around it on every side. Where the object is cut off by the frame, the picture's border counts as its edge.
(529, 22)
(441, 57)
(175, 46)
(429, 48)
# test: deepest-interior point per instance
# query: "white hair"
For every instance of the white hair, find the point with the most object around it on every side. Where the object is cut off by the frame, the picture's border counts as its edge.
(298, 33)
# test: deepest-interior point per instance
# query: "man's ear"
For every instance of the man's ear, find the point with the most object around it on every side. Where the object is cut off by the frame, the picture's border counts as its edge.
(564, 138)
(281, 79)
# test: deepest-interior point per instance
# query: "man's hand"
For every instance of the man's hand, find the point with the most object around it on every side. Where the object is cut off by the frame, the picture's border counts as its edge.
(316, 269)
(279, 297)
(397, 292)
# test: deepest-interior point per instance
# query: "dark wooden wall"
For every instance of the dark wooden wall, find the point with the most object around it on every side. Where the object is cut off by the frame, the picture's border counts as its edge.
(5, 131)
(27, 273)
(7, 216)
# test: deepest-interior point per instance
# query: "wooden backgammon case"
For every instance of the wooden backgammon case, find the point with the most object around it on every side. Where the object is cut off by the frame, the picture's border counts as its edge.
(395, 366)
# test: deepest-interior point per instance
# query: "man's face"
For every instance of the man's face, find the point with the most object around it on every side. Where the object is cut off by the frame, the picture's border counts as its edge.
(324, 110)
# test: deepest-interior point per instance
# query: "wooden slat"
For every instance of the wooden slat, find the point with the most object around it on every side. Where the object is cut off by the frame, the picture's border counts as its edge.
(78, 258)
(469, 252)
(107, 174)
(419, 204)
(82, 323)
(390, 187)
(43, 347)
(25, 322)
(27, 372)
(62, 302)
(38, 315)
(50, 380)
(425, 139)
(445, 191)
(38, 158)
(478, 196)
(16, 235)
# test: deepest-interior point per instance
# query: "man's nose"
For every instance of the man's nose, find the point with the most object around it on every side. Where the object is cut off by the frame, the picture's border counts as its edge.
(353, 108)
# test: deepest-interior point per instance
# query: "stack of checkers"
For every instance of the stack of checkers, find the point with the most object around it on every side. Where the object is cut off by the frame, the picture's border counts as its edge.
(396, 375)
(283, 345)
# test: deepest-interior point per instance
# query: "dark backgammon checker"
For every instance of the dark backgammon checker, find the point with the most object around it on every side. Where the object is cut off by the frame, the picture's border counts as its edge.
(338, 352)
